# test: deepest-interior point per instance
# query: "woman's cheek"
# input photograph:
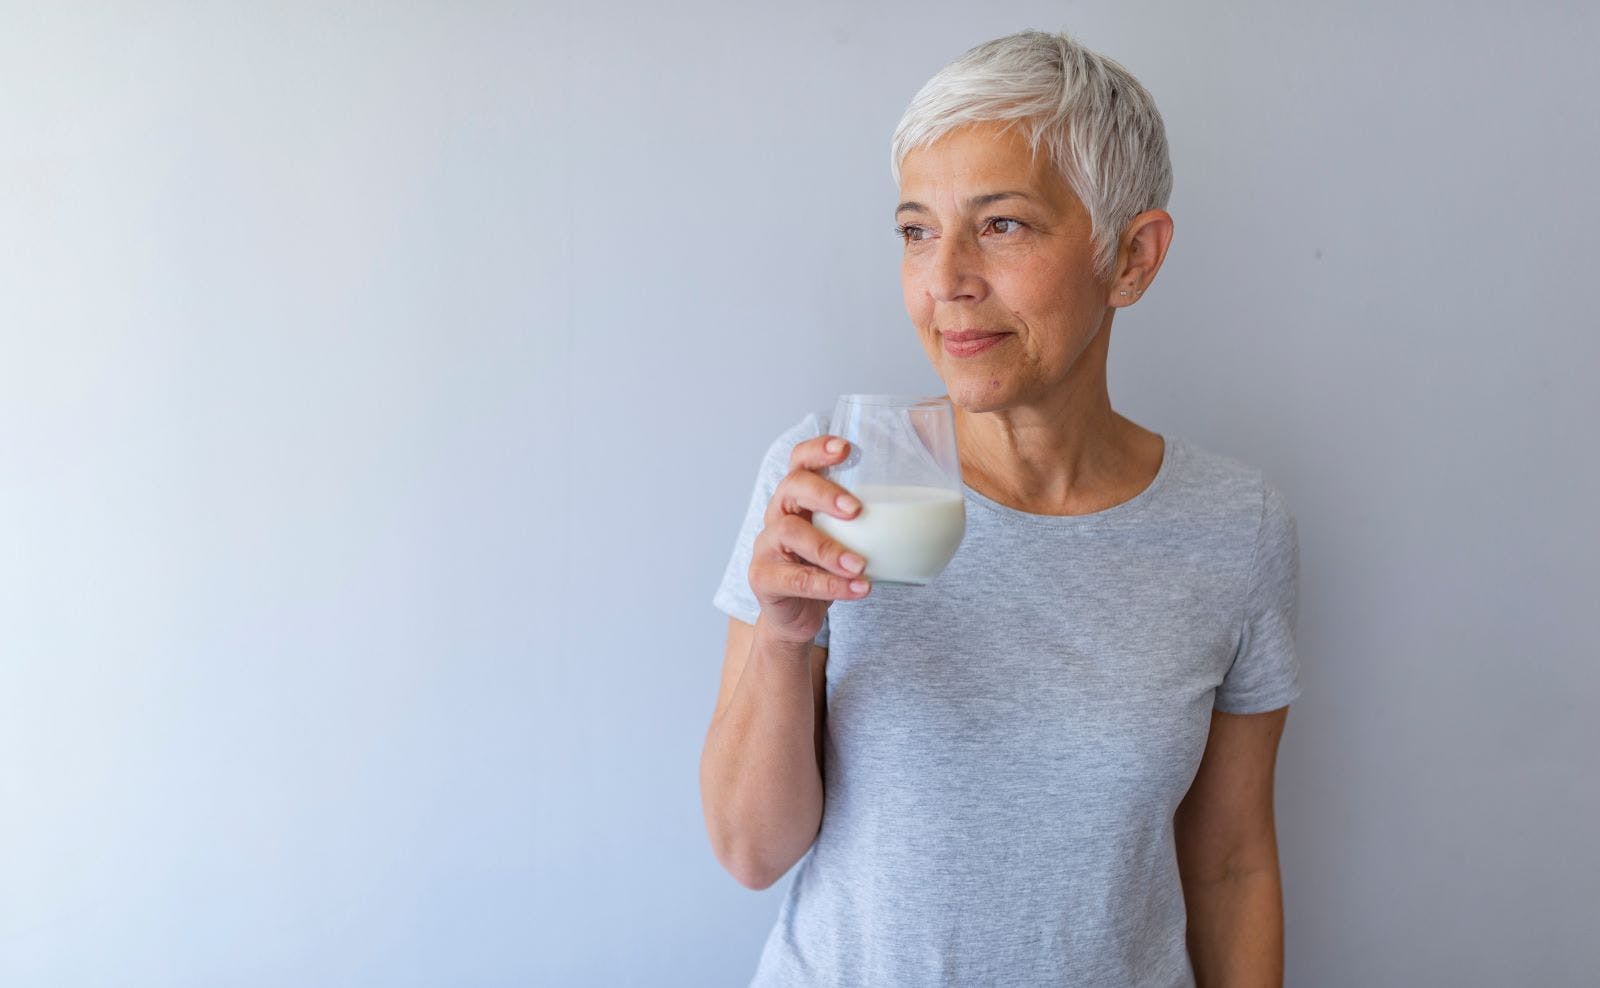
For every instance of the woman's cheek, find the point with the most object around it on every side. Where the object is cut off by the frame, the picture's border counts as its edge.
(911, 283)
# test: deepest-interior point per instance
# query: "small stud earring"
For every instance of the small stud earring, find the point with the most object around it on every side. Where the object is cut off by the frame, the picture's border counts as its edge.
(1122, 293)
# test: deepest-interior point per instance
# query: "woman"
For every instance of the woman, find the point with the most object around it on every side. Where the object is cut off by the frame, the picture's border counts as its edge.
(1053, 764)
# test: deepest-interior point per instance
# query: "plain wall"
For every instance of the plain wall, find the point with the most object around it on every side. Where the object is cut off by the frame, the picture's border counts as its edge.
(381, 386)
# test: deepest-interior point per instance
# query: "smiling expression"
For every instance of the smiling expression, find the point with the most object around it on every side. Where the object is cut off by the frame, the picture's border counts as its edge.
(998, 267)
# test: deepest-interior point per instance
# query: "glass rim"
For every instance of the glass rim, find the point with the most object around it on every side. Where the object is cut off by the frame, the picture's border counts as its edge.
(898, 401)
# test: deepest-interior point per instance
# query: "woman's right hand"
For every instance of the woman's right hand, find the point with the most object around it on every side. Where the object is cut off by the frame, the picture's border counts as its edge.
(795, 570)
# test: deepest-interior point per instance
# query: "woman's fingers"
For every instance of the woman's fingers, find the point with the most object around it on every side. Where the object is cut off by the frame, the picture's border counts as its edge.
(802, 539)
(818, 452)
(804, 491)
(776, 578)
(793, 558)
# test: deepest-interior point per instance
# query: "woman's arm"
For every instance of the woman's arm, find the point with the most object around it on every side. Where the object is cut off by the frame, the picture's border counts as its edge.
(760, 771)
(1228, 855)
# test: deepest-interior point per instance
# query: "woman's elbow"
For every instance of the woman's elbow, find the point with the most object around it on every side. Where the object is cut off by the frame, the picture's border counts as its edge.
(748, 870)
(756, 881)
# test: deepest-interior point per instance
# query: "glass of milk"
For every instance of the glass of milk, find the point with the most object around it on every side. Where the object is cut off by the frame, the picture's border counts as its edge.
(904, 469)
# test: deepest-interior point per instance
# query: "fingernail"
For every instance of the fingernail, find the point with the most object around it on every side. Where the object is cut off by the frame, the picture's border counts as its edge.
(858, 586)
(847, 503)
(835, 446)
(854, 564)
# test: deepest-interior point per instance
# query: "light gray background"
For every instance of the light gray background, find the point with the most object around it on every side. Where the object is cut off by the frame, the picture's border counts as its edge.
(381, 386)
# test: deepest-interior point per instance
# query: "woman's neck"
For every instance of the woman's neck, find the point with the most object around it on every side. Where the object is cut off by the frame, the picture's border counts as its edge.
(1057, 461)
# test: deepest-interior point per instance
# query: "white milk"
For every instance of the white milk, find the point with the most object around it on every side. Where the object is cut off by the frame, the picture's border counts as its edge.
(906, 534)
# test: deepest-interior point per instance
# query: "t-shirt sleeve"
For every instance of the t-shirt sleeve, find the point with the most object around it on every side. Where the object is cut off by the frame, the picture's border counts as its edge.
(734, 597)
(1265, 673)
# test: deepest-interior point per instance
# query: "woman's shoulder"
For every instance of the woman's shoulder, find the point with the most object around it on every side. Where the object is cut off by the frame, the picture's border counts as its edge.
(1203, 461)
(1206, 476)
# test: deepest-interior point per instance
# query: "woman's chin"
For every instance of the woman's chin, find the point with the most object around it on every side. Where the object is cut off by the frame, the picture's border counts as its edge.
(981, 394)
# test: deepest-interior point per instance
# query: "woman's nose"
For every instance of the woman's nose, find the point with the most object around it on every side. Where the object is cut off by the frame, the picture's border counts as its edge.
(955, 273)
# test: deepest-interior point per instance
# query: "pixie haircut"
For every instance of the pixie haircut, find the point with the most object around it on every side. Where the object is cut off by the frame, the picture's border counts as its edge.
(1098, 124)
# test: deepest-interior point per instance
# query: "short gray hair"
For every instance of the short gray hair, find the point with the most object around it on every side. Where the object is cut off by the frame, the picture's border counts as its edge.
(1099, 125)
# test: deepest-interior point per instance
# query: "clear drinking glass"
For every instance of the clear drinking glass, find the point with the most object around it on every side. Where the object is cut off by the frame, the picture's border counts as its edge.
(904, 470)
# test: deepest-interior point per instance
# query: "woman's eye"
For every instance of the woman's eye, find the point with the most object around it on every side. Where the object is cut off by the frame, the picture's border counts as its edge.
(911, 234)
(1001, 224)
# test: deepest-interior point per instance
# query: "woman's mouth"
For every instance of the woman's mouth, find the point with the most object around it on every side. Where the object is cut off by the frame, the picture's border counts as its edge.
(970, 343)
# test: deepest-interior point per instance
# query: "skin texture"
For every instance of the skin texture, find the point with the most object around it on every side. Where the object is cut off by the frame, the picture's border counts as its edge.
(1035, 426)
(1228, 854)
(761, 767)
(995, 240)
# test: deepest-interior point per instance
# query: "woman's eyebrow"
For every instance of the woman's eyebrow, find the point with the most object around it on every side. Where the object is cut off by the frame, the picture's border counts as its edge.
(976, 202)
(991, 197)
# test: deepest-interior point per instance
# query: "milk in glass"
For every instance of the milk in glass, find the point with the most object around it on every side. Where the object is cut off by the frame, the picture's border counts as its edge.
(906, 534)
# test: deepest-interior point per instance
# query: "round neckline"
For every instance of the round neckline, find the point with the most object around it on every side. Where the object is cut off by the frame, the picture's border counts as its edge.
(1169, 452)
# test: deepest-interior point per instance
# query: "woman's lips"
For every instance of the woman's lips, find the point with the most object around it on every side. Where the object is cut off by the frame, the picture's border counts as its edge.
(972, 344)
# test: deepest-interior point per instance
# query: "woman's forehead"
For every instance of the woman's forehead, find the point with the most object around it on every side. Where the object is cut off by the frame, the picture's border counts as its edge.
(979, 164)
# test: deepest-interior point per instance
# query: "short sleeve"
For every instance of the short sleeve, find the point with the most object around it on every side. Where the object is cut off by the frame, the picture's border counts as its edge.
(1265, 673)
(734, 597)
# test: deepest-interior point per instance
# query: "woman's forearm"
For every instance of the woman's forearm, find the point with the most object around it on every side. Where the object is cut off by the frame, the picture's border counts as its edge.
(1236, 930)
(759, 779)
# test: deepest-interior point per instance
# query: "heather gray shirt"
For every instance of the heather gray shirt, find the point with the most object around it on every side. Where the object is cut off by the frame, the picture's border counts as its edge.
(1006, 746)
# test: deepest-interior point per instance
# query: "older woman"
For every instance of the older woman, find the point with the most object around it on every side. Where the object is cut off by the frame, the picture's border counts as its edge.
(1053, 764)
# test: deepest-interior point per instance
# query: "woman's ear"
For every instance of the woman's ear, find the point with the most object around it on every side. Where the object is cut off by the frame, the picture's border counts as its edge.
(1142, 248)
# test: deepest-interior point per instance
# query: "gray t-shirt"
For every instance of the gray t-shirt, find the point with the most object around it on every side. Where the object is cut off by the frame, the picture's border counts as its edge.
(1007, 745)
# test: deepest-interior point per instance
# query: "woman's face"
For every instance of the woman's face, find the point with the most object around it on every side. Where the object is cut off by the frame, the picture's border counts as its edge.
(998, 267)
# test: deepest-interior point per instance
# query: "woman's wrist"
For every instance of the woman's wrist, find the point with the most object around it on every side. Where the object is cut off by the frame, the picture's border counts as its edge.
(772, 643)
